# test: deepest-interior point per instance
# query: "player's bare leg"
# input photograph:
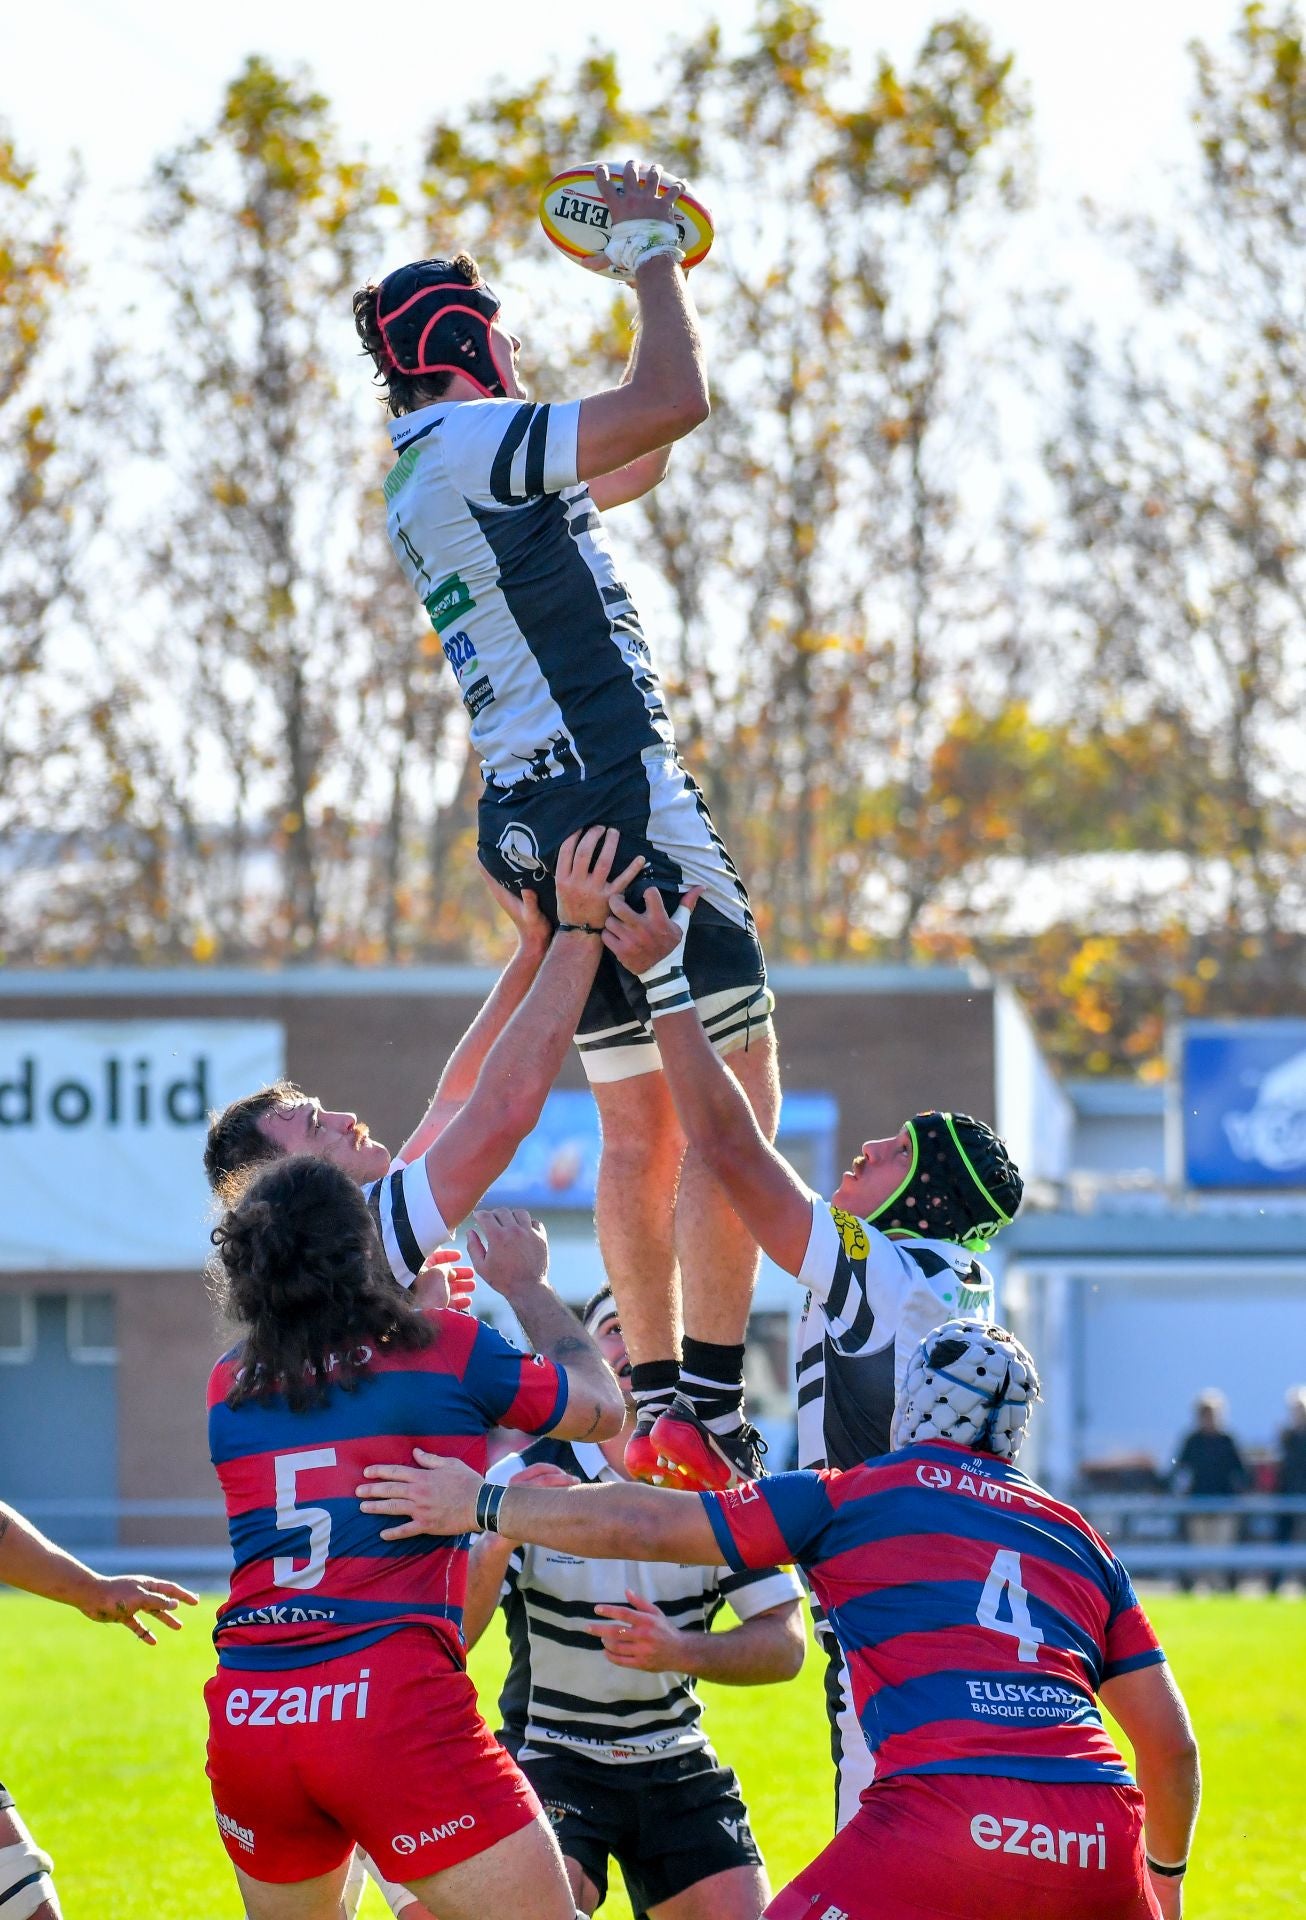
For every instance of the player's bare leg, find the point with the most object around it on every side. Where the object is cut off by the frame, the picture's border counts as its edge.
(583, 1890)
(634, 1214)
(738, 1894)
(718, 1260)
(26, 1890)
(316, 1899)
(522, 1875)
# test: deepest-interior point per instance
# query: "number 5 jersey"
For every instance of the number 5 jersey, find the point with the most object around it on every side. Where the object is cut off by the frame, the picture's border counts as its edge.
(313, 1579)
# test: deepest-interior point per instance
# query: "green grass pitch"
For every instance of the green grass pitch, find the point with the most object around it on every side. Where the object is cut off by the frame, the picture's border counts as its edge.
(102, 1746)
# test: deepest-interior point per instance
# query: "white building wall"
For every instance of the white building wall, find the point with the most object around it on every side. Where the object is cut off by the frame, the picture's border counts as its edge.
(1034, 1115)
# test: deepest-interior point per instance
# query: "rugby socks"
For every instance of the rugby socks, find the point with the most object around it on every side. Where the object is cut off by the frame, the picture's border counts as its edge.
(653, 1387)
(712, 1377)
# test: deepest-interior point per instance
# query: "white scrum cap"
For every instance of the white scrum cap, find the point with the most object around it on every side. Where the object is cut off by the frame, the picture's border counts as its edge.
(968, 1382)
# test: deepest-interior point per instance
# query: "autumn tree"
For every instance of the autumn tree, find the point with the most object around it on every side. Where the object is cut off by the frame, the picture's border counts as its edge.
(814, 590)
(290, 679)
(34, 524)
(1179, 462)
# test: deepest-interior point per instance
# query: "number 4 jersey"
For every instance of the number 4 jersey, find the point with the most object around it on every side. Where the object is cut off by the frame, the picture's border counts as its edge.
(978, 1615)
(313, 1578)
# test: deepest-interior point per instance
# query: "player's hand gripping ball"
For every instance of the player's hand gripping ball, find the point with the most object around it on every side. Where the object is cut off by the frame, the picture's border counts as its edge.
(576, 220)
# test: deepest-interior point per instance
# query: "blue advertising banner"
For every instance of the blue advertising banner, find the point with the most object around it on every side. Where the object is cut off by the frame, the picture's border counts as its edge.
(1243, 1091)
(557, 1165)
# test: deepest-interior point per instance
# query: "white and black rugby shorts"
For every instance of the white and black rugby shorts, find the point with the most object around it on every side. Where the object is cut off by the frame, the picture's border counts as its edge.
(658, 810)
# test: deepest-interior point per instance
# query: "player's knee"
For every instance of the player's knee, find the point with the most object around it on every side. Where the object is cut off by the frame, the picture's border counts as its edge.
(25, 1883)
(636, 1146)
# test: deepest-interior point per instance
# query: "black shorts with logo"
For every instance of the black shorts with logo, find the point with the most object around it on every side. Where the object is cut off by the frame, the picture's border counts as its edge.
(6, 1798)
(659, 812)
(668, 1822)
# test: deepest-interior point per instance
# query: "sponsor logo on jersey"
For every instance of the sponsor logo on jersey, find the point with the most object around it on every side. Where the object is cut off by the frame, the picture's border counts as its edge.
(834, 1913)
(279, 1614)
(298, 1706)
(978, 1485)
(1061, 1845)
(460, 652)
(478, 696)
(243, 1836)
(852, 1232)
(409, 1842)
(449, 601)
(1023, 1700)
(521, 849)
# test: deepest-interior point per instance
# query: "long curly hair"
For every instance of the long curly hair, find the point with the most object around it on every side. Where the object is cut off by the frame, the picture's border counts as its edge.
(300, 1268)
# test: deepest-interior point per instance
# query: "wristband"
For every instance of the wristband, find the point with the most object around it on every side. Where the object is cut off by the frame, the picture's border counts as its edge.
(665, 983)
(488, 1502)
(1166, 1873)
(577, 926)
(632, 242)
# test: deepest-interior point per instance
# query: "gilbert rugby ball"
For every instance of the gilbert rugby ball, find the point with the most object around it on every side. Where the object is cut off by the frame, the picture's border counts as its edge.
(575, 219)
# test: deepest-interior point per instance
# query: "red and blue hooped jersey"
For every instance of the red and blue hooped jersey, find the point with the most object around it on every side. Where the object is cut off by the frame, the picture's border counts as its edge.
(313, 1578)
(978, 1615)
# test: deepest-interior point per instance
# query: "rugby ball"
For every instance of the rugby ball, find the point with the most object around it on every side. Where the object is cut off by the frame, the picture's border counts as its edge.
(576, 220)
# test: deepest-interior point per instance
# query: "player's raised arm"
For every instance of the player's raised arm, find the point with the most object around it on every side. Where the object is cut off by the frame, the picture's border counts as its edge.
(773, 1202)
(665, 395)
(523, 1063)
(510, 1252)
(30, 1561)
(509, 990)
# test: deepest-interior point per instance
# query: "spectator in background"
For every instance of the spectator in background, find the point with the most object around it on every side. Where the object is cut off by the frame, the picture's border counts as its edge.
(1290, 1473)
(1209, 1466)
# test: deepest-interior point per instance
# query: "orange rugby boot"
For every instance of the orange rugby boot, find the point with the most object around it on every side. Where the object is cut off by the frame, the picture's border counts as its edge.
(692, 1457)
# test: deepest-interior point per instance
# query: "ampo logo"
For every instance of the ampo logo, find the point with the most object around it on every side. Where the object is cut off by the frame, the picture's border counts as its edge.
(407, 1843)
(930, 1476)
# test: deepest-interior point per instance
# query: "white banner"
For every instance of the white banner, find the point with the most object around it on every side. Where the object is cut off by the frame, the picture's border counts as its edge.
(102, 1127)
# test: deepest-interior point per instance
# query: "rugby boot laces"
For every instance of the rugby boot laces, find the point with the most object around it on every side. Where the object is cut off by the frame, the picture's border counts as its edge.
(691, 1456)
(641, 1455)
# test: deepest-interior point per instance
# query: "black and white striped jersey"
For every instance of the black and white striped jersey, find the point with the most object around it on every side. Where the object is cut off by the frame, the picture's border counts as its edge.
(509, 556)
(870, 1300)
(562, 1692)
(403, 1207)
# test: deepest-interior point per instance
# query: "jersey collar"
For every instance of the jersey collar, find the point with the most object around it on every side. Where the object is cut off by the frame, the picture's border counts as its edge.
(412, 426)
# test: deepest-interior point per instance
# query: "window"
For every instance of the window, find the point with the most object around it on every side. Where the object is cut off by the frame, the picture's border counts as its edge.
(17, 1329)
(92, 1329)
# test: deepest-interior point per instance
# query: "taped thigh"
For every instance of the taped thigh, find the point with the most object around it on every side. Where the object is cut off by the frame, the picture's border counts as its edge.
(25, 1882)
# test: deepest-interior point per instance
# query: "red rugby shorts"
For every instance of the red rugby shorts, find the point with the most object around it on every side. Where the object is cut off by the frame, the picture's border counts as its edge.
(385, 1748)
(956, 1845)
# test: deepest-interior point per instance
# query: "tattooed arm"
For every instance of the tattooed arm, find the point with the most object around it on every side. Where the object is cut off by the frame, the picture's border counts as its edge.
(510, 1252)
(30, 1561)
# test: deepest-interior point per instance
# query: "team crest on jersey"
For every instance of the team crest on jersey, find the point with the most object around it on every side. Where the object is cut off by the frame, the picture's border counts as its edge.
(521, 849)
(852, 1232)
